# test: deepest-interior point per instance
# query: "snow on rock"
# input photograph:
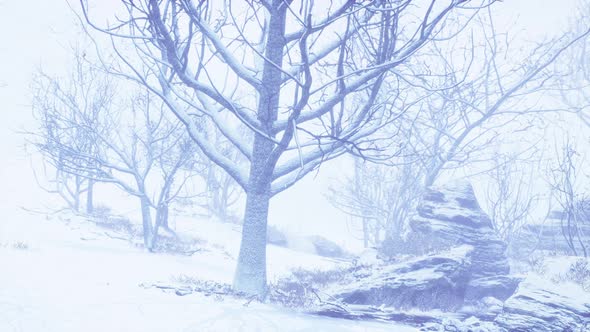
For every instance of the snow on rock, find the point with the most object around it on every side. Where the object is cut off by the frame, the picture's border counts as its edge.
(426, 282)
(450, 215)
(467, 274)
(470, 324)
(368, 257)
(540, 305)
(433, 319)
(314, 244)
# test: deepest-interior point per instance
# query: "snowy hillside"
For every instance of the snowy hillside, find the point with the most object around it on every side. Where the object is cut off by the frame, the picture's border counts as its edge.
(62, 273)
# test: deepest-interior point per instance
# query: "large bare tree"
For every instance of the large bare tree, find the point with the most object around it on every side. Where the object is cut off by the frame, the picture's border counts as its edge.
(489, 99)
(305, 77)
(480, 98)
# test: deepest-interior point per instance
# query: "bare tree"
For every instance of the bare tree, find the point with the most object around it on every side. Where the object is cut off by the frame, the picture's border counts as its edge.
(222, 191)
(57, 104)
(148, 150)
(575, 70)
(87, 136)
(564, 179)
(305, 79)
(509, 196)
(479, 99)
(382, 196)
(486, 98)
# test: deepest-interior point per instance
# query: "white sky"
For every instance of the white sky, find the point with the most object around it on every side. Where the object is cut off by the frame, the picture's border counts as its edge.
(36, 32)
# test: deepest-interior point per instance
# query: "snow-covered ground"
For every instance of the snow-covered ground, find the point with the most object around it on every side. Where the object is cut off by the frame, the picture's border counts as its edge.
(62, 273)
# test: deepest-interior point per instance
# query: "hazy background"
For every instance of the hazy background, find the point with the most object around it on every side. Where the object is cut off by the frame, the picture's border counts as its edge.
(39, 33)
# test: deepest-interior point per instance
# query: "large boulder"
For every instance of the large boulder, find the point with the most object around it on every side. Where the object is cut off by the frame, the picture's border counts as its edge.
(540, 305)
(449, 216)
(463, 269)
(467, 272)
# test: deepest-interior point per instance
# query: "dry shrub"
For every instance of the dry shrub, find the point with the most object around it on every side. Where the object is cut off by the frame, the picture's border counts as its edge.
(578, 273)
(301, 289)
(536, 262)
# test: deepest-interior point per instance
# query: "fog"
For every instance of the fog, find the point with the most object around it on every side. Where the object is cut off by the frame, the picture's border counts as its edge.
(337, 182)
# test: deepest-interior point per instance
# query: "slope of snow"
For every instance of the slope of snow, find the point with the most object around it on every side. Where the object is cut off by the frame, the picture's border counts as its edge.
(71, 277)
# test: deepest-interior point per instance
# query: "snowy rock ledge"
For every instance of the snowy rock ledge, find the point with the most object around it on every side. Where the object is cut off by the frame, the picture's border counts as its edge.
(428, 282)
(540, 305)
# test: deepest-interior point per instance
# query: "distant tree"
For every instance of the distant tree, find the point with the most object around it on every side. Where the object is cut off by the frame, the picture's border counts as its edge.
(90, 134)
(483, 99)
(568, 192)
(58, 103)
(383, 197)
(575, 69)
(222, 192)
(509, 196)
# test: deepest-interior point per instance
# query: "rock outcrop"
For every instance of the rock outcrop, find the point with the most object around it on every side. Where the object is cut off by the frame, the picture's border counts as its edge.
(326, 248)
(550, 236)
(435, 281)
(468, 262)
(539, 305)
(451, 216)
(313, 244)
(465, 271)
(276, 236)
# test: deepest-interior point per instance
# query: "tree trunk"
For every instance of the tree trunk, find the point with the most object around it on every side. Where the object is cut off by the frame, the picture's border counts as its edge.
(378, 235)
(77, 194)
(430, 178)
(146, 223)
(365, 233)
(90, 197)
(250, 274)
(161, 221)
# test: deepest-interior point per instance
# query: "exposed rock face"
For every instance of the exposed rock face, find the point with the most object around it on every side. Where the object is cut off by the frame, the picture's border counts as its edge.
(276, 236)
(427, 282)
(314, 244)
(549, 236)
(451, 216)
(326, 248)
(539, 305)
(468, 276)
